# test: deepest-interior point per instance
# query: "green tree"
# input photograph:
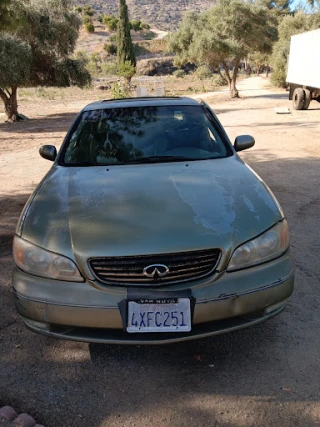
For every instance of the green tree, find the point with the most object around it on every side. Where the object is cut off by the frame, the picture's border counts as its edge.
(278, 7)
(222, 36)
(10, 15)
(125, 48)
(289, 26)
(38, 52)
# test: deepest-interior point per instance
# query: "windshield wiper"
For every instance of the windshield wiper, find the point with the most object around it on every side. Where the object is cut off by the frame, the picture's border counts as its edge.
(156, 159)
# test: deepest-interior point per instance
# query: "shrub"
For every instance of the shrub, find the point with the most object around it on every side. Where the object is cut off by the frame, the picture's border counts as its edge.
(86, 19)
(135, 25)
(203, 72)
(179, 73)
(89, 27)
(81, 55)
(88, 10)
(109, 68)
(156, 67)
(217, 80)
(127, 70)
(110, 48)
(111, 22)
(119, 90)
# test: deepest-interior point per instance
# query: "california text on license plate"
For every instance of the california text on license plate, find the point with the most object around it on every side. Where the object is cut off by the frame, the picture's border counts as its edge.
(159, 315)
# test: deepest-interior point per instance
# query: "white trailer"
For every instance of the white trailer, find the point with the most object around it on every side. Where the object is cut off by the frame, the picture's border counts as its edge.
(303, 75)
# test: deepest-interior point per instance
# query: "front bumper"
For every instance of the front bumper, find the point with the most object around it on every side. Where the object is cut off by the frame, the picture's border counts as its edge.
(87, 312)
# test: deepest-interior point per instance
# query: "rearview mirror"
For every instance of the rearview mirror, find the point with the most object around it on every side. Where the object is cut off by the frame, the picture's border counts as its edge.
(48, 152)
(243, 142)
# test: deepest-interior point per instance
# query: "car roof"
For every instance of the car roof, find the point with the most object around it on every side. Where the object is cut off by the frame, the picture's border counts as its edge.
(140, 102)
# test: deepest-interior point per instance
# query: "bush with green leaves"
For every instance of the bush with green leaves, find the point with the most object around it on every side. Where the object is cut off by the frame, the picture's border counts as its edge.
(88, 10)
(145, 26)
(203, 72)
(109, 68)
(217, 80)
(110, 21)
(127, 70)
(119, 90)
(179, 73)
(135, 25)
(110, 48)
(86, 19)
(89, 27)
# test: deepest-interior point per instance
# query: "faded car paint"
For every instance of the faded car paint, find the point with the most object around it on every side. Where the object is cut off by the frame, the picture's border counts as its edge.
(132, 210)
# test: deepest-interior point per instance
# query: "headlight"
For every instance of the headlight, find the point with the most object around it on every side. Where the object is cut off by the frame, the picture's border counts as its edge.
(270, 245)
(37, 261)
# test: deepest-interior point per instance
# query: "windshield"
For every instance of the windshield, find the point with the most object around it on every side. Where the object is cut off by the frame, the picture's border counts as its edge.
(143, 134)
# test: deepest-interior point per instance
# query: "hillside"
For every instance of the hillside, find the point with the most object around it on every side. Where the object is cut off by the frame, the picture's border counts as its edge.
(163, 14)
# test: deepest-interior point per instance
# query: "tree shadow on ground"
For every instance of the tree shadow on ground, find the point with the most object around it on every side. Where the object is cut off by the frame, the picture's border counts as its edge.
(50, 123)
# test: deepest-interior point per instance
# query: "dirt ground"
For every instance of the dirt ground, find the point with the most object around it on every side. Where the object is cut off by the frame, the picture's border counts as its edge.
(264, 376)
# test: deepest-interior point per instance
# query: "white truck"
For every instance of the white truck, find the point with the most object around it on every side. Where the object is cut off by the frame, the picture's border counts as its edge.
(303, 76)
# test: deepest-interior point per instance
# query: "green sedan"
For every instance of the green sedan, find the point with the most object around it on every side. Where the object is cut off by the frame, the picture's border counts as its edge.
(149, 229)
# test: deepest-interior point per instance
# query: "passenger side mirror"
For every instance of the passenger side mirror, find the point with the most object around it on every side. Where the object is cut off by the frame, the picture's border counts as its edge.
(48, 152)
(243, 142)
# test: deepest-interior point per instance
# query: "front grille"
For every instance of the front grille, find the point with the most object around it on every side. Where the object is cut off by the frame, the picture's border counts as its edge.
(128, 270)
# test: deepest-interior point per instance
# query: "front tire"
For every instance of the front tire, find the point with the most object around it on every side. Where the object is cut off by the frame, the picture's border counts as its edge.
(298, 98)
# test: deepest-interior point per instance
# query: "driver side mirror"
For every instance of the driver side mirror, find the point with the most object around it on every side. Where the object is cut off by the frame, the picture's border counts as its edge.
(48, 152)
(243, 142)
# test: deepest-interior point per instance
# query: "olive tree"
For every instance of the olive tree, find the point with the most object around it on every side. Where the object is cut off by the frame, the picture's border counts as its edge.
(224, 35)
(37, 53)
(9, 14)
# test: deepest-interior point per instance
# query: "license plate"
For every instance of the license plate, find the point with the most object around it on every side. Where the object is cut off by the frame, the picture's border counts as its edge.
(155, 316)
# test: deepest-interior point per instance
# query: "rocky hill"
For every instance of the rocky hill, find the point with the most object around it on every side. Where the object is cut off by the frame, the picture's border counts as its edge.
(163, 14)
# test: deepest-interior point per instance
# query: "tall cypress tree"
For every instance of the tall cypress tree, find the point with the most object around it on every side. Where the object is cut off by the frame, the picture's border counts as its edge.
(125, 50)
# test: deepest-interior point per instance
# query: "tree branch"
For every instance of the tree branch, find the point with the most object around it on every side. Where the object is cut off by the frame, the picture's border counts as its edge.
(235, 69)
(222, 76)
(3, 96)
(226, 69)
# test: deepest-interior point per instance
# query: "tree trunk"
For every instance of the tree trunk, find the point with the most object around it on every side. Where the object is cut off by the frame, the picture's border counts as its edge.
(10, 103)
(232, 84)
(233, 90)
(267, 74)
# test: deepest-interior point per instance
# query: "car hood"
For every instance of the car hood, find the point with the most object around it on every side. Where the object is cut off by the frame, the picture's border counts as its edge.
(149, 209)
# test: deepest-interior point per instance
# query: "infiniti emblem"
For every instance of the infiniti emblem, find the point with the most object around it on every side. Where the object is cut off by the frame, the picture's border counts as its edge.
(156, 271)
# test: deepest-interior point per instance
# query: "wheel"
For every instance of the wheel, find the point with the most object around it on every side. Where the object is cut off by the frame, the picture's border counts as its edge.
(298, 98)
(307, 99)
